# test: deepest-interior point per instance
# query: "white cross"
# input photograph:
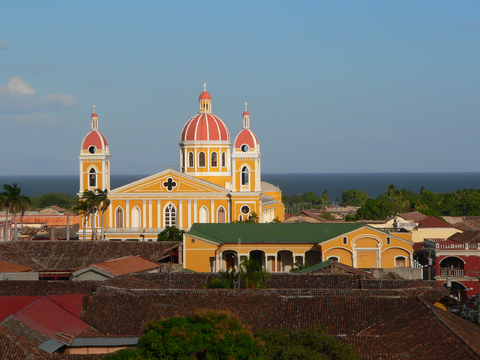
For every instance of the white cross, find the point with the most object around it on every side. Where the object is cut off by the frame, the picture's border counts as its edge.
(204, 86)
(245, 105)
(94, 106)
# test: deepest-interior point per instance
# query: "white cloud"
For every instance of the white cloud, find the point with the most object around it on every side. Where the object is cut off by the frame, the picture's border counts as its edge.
(19, 97)
(4, 45)
(28, 118)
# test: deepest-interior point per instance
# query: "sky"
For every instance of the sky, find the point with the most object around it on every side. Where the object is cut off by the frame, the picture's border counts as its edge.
(332, 86)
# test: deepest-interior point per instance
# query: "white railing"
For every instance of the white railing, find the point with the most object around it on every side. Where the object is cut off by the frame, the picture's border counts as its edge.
(454, 272)
(457, 246)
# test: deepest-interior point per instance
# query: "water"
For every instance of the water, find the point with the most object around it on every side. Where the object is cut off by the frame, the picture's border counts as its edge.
(373, 184)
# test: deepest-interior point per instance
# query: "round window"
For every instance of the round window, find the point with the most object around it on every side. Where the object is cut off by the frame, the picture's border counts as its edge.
(245, 209)
(245, 148)
(92, 149)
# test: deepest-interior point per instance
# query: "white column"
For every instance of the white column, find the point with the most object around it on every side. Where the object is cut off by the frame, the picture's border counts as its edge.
(189, 206)
(194, 210)
(159, 224)
(180, 214)
(150, 213)
(127, 213)
(110, 216)
(81, 175)
(275, 263)
(144, 210)
(212, 207)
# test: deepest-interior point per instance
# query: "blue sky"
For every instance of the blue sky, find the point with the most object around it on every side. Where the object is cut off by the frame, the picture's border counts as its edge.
(337, 86)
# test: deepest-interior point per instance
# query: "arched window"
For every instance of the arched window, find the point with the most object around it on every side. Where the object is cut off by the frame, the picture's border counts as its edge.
(245, 175)
(201, 159)
(214, 159)
(92, 176)
(136, 221)
(203, 215)
(224, 159)
(400, 261)
(183, 158)
(190, 159)
(170, 215)
(119, 218)
(221, 215)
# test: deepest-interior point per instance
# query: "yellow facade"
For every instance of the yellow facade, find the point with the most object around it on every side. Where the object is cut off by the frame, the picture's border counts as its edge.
(364, 247)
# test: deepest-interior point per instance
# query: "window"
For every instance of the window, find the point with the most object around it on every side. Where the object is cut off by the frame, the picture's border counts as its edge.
(214, 159)
(203, 215)
(201, 159)
(119, 218)
(136, 219)
(345, 240)
(245, 148)
(244, 175)
(190, 159)
(388, 241)
(183, 158)
(245, 209)
(333, 258)
(221, 215)
(400, 262)
(92, 149)
(92, 177)
(170, 215)
(224, 162)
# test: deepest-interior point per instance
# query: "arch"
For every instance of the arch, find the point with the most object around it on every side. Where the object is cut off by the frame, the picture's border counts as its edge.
(201, 159)
(335, 258)
(284, 260)
(452, 266)
(136, 218)
(224, 159)
(221, 215)
(451, 259)
(119, 218)
(203, 218)
(458, 290)
(258, 256)
(214, 159)
(229, 260)
(400, 261)
(190, 159)
(389, 255)
(92, 177)
(313, 257)
(170, 215)
(245, 175)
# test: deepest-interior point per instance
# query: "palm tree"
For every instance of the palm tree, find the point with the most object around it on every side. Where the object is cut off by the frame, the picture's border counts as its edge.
(4, 205)
(83, 209)
(14, 202)
(104, 203)
(91, 200)
(252, 273)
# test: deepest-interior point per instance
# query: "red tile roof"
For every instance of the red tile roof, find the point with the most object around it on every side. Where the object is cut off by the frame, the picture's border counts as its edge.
(433, 222)
(6, 267)
(414, 216)
(127, 265)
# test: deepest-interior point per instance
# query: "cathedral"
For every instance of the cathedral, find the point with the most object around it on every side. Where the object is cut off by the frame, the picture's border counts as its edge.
(216, 183)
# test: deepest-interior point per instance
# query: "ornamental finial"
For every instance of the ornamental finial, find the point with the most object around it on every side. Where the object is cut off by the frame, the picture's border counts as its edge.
(245, 103)
(94, 107)
(204, 86)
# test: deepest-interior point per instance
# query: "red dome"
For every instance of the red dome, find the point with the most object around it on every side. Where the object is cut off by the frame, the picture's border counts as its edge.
(205, 127)
(246, 136)
(205, 96)
(94, 115)
(245, 113)
(94, 138)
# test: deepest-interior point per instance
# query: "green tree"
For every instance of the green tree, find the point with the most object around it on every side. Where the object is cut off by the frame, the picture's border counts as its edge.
(326, 215)
(84, 210)
(312, 344)
(297, 266)
(325, 198)
(203, 336)
(311, 198)
(171, 233)
(226, 280)
(354, 197)
(63, 200)
(13, 201)
(88, 205)
(252, 273)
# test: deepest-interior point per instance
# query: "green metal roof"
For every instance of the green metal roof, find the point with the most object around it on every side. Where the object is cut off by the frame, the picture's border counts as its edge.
(272, 233)
(313, 268)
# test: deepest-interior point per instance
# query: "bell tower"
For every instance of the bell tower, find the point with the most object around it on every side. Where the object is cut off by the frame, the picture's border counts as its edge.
(94, 159)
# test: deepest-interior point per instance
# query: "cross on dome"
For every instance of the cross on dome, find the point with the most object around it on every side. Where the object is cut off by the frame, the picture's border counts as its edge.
(94, 107)
(245, 103)
(204, 86)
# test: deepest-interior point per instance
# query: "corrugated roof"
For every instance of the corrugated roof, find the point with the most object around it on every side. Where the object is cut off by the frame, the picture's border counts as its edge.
(433, 222)
(272, 233)
(10, 305)
(104, 341)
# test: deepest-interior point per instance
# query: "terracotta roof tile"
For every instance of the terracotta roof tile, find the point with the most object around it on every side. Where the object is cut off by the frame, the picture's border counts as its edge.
(127, 265)
(433, 222)
(414, 216)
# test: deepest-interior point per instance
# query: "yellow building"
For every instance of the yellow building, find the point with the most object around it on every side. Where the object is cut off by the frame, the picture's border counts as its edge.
(217, 182)
(216, 247)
